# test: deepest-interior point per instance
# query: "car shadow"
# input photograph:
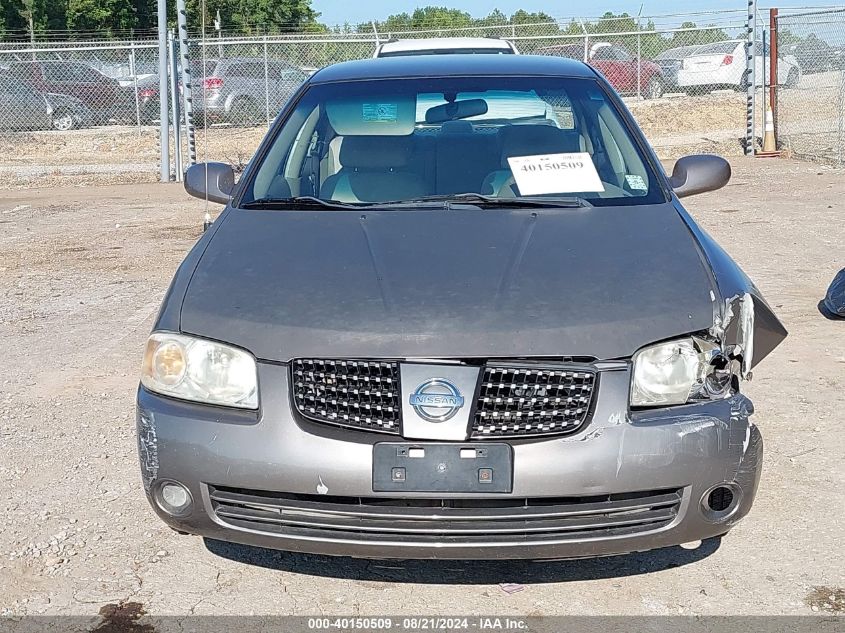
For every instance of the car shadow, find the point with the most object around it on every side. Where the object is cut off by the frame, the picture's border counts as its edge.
(460, 572)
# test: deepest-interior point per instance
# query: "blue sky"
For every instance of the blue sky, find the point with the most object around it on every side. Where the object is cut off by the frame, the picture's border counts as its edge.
(341, 11)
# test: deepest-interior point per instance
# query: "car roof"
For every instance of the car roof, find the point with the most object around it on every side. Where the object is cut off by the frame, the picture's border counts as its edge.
(419, 66)
(444, 43)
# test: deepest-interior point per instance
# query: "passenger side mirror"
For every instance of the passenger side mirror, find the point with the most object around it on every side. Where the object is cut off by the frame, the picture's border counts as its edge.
(212, 181)
(699, 173)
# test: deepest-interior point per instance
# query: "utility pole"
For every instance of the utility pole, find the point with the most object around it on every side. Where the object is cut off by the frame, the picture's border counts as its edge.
(163, 89)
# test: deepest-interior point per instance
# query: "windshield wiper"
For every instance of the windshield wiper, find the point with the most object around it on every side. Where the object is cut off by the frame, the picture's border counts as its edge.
(491, 202)
(475, 199)
(297, 202)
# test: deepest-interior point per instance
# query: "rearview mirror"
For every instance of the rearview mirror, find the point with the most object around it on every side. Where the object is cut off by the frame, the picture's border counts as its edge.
(455, 110)
(699, 173)
(210, 181)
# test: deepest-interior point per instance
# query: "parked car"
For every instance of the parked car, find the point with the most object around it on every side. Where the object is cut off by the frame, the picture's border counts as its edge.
(23, 108)
(620, 68)
(102, 96)
(237, 90)
(722, 65)
(425, 334)
(670, 62)
(814, 55)
(446, 46)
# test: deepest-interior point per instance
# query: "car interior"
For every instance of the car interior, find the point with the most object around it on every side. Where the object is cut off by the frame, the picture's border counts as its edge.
(388, 148)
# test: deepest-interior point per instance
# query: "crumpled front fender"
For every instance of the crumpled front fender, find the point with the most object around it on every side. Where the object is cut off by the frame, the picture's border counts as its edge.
(743, 321)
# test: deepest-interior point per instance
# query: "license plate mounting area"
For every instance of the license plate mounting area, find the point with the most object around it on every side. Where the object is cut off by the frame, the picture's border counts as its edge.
(451, 468)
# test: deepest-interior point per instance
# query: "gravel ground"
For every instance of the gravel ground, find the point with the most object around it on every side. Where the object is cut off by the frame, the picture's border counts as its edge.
(82, 272)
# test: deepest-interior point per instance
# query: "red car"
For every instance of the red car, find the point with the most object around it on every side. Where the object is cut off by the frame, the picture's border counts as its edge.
(617, 65)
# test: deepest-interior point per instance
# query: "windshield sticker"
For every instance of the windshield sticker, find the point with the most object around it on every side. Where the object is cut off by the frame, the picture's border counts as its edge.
(380, 112)
(636, 182)
(555, 173)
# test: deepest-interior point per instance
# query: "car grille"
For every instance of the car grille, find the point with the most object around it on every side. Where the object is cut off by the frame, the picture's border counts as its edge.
(507, 519)
(523, 401)
(513, 401)
(355, 393)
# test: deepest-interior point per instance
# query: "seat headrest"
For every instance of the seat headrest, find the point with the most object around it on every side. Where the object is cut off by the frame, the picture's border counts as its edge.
(375, 152)
(533, 140)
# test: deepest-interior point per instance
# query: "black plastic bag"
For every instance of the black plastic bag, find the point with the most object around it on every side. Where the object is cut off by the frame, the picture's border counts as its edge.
(834, 300)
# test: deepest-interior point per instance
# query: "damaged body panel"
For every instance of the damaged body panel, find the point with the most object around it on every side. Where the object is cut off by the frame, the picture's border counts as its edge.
(742, 308)
(409, 357)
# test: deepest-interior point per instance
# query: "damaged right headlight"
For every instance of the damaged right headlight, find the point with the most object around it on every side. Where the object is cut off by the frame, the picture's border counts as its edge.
(680, 371)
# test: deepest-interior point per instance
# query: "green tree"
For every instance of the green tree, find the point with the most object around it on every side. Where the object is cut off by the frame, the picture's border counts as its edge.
(108, 16)
(540, 23)
(424, 18)
(13, 12)
(536, 17)
(272, 15)
(495, 18)
(697, 35)
(255, 16)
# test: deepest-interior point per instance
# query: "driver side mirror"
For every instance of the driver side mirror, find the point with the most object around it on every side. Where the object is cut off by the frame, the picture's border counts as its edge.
(210, 181)
(699, 173)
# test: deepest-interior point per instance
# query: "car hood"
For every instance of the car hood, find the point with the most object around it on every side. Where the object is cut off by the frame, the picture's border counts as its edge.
(423, 283)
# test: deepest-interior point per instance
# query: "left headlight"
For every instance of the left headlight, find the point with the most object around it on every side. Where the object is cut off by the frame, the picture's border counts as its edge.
(200, 370)
(680, 371)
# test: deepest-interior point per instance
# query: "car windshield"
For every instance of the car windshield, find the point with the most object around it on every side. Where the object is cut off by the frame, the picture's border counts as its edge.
(402, 140)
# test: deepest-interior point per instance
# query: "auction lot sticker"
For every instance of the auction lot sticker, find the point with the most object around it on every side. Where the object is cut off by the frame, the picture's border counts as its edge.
(555, 173)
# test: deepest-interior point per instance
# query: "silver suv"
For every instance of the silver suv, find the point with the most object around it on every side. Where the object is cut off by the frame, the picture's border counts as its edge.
(245, 90)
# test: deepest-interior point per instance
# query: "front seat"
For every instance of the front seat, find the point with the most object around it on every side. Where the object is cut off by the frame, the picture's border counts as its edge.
(527, 140)
(373, 169)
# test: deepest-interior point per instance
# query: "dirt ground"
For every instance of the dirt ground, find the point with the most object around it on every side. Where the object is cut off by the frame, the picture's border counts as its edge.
(82, 272)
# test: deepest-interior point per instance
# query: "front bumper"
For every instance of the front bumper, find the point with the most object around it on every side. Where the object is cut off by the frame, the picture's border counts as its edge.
(687, 450)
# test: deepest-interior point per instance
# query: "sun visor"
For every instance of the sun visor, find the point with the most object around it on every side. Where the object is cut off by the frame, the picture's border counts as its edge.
(373, 115)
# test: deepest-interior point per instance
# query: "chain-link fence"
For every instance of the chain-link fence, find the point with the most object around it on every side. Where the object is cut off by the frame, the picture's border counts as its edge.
(94, 108)
(661, 66)
(811, 113)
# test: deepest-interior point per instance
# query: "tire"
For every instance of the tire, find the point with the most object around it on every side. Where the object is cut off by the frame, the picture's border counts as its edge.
(654, 88)
(792, 78)
(245, 111)
(63, 120)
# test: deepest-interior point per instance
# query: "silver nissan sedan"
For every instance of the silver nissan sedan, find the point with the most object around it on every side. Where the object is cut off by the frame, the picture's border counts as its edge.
(454, 308)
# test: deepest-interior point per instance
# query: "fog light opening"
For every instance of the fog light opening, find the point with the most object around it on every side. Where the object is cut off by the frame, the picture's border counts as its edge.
(174, 498)
(720, 499)
(720, 502)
